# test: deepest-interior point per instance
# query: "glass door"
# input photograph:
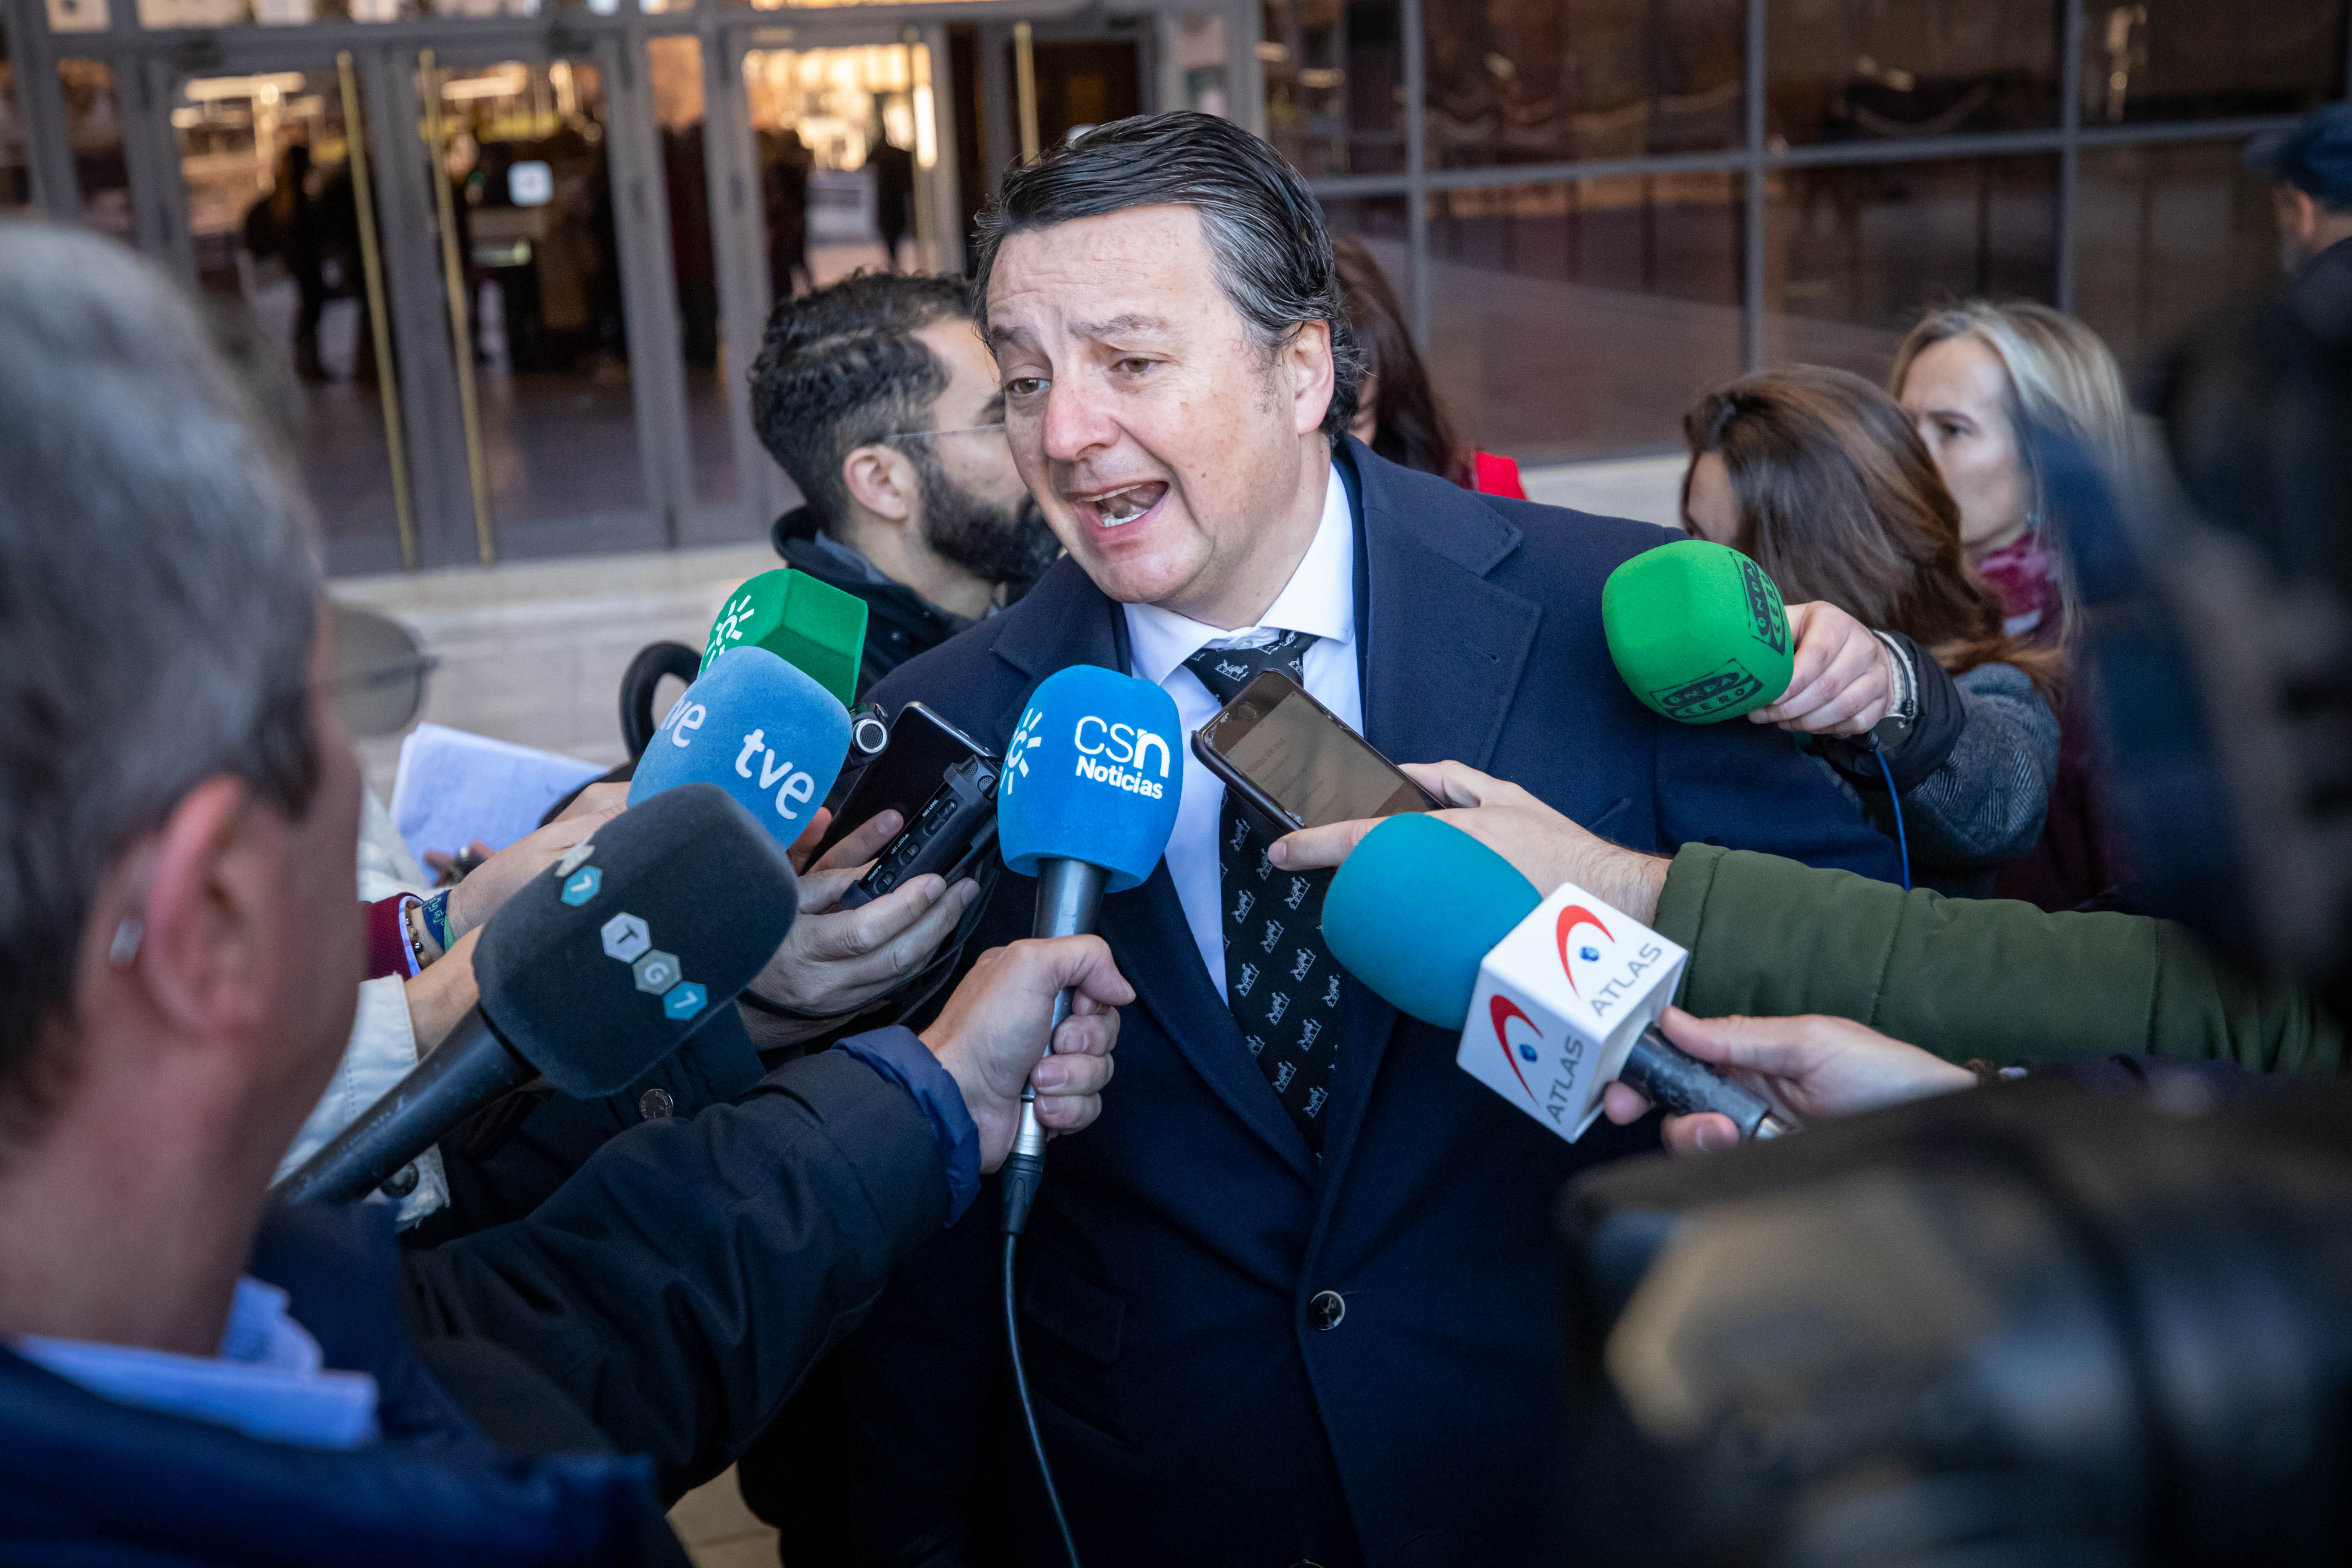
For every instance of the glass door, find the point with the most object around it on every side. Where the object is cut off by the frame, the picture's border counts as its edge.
(534, 267)
(271, 175)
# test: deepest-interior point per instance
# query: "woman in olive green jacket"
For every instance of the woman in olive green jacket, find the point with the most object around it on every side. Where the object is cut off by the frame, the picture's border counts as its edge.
(1963, 978)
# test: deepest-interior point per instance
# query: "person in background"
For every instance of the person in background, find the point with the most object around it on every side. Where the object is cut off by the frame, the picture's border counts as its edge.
(784, 165)
(1819, 477)
(893, 187)
(876, 396)
(1398, 413)
(2310, 170)
(1973, 378)
(2244, 438)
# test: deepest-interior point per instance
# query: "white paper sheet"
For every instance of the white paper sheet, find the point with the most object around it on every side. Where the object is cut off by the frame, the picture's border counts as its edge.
(455, 786)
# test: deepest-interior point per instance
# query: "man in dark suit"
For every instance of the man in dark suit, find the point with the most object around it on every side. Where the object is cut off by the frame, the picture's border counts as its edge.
(1295, 1300)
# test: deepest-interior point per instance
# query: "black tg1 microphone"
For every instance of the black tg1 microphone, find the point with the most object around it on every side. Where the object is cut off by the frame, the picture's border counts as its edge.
(590, 975)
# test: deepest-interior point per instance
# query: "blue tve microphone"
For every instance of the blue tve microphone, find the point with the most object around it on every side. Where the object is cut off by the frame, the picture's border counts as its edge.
(758, 728)
(1085, 804)
(1416, 908)
(590, 975)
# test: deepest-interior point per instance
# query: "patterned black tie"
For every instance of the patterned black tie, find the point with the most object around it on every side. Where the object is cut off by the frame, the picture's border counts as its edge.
(1280, 979)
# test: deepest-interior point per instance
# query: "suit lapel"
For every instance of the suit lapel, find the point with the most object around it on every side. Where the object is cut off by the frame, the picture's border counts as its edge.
(1445, 647)
(1444, 650)
(1076, 623)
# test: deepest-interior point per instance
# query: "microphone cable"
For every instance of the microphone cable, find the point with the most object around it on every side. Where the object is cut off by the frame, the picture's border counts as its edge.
(1023, 1170)
(1895, 804)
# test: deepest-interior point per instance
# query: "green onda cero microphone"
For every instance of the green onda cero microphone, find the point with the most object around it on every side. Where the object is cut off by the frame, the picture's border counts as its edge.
(1697, 631)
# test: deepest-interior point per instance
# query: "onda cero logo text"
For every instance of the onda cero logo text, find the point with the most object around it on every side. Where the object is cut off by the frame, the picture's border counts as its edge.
(1117, 755)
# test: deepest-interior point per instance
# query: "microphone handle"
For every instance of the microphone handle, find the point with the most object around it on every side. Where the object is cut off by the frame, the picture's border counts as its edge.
(468, 1069)
(1671, 1078)
(1069, 898)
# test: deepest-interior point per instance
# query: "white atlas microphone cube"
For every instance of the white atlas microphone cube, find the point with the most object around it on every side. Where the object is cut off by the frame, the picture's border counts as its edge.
(1562, 1003)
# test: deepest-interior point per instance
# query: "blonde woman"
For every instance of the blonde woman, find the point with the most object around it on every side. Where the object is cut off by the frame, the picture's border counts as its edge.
(1968, 376)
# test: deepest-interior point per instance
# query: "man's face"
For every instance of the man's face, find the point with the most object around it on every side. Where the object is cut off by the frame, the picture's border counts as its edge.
(977, 512)
(1161, 444)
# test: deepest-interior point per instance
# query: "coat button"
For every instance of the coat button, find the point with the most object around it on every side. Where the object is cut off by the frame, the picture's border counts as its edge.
(655, 1104)
(401, 1183)
(1325, 1309)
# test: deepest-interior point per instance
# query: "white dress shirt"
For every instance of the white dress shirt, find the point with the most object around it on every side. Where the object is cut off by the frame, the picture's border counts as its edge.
(1320, 599)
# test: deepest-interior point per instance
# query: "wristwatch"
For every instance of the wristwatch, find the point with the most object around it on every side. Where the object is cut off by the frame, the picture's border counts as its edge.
(1889, 733)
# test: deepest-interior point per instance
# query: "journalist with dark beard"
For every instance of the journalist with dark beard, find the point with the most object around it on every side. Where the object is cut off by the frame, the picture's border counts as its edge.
(878, 398)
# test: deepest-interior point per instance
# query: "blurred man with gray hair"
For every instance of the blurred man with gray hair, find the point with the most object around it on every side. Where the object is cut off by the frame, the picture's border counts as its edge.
(187, 1378)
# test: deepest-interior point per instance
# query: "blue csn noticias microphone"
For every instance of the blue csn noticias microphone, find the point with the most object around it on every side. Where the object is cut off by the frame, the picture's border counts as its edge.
(593, 972)
(1416, 908)
(758, 728)
(1085, 803)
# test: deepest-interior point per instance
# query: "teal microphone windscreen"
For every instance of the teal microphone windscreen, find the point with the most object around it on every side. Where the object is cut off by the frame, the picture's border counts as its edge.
(1416, 908)
(597, 968)
(1093, 772)
(1698, 631)
(759, 729)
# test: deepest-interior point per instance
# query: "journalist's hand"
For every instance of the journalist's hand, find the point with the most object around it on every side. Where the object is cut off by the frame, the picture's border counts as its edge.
(606, 798)
(1807, 1066)
(837, 961)
(1844, 679)
(993, 1032)
(442, 994)
(489, 885)
(1547, 847)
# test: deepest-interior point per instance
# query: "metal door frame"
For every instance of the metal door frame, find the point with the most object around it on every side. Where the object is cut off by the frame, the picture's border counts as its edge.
(147, 63)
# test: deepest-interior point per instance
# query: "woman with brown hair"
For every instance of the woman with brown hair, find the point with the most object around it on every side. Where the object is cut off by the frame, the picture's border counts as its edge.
(1398, 414)
(1822, 478)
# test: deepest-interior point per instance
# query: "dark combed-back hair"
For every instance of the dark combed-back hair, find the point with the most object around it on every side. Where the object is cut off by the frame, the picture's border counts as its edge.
(1264, 227)
(841, 368)
(1840, 502)
(1410, 423)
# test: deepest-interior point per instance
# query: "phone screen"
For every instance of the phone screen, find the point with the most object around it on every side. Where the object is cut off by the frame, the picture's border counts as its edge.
(1318, 769)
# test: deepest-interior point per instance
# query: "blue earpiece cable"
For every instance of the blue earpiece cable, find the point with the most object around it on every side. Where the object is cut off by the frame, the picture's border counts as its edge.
(1894, 803)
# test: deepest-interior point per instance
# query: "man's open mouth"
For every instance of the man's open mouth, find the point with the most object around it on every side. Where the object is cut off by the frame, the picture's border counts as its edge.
(1114, 509)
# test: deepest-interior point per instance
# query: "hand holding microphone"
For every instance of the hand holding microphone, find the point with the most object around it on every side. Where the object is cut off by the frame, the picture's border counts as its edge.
(1809, 1068)
(1555, 994)
(993, 1032)
(1085, 804)
(1844, 680)
(1543, 846)
(766, 731)
(592, 972)
(1700, 635)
